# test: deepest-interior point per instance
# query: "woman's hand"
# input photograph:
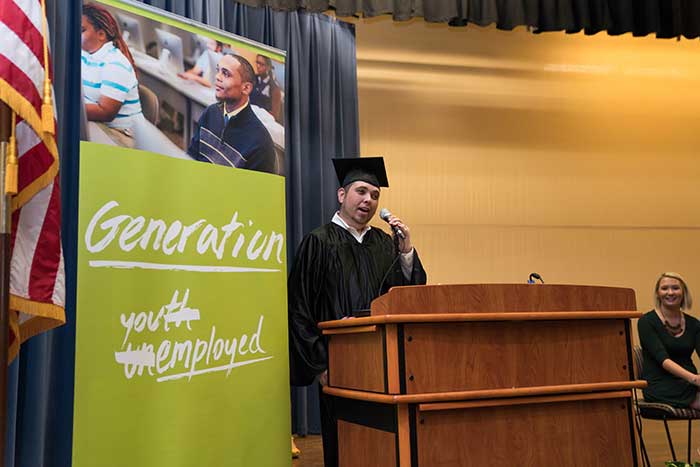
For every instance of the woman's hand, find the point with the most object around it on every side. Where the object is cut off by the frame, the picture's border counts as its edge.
(695, 380)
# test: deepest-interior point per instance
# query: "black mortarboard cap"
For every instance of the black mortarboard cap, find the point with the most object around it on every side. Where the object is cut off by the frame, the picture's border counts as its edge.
(365, 169)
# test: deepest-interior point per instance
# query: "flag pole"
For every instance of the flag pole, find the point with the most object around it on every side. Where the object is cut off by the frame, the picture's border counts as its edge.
(5, 227)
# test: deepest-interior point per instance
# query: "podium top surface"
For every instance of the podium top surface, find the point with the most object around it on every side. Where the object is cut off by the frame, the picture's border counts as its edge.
(502, 298)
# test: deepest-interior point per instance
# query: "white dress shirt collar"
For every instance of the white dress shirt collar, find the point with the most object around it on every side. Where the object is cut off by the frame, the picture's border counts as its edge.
(358, 235)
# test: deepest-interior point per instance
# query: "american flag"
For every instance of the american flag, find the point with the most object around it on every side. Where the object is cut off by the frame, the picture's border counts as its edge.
(37, 280)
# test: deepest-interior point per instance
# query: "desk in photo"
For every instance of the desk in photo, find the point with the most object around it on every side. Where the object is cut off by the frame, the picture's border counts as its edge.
(147, 137)
(185, 97)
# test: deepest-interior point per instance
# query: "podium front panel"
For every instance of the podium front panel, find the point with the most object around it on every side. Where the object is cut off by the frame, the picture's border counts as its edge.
(363, 446)
(357, 359)
(444, 357)
(575, 434)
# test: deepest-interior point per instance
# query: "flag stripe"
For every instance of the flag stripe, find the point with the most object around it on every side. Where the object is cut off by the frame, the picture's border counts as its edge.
(35, 160)
(28, 232)
(32, 10)
(19, 80)
(59, 289)
(22, 26)
(46, 259)
(26, 138)
(21, 55)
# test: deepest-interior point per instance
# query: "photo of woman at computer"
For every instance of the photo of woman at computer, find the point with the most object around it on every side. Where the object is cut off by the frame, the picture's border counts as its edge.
(110, 87)
(153, 86)
(204, 69)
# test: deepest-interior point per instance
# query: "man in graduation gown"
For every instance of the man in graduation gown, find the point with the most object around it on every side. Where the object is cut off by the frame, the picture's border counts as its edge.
(338, 270)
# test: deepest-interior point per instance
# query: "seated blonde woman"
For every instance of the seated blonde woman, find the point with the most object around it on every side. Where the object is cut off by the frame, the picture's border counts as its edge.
(669, 336)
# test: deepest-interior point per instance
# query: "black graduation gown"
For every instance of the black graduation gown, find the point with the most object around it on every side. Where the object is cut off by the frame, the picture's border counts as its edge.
(333, 275)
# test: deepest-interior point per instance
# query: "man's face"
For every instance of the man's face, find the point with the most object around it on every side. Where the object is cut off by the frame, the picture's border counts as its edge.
(261, 66)
(228, 85)
(358, 204)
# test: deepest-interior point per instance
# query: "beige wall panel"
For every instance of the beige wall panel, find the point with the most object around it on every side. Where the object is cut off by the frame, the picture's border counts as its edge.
(576, 157)
(463, 184)
(592, 256)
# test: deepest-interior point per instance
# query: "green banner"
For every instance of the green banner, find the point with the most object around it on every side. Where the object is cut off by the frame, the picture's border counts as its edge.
(181, 353)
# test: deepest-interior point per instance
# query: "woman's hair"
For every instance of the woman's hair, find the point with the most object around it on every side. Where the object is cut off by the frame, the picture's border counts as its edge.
(687, 302)
(100, 18)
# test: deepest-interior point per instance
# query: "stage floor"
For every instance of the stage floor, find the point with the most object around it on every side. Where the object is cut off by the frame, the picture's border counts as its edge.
(311, 451)
(654, 438)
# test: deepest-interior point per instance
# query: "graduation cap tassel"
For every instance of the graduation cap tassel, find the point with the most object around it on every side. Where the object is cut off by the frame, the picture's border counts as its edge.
(12, 164)
(47, 120)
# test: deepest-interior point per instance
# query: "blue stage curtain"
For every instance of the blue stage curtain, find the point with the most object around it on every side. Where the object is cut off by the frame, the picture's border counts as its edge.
(322, 119)
(665, 18)
(40, 389)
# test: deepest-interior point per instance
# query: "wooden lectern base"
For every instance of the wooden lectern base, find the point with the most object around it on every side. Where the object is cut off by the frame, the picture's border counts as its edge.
(576, 430)
(475, 375)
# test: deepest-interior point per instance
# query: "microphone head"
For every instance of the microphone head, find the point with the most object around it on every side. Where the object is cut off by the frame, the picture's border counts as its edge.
(533, 276)
(384, 214)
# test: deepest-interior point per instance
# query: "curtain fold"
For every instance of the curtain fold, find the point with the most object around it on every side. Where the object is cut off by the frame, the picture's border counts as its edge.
(665, 18)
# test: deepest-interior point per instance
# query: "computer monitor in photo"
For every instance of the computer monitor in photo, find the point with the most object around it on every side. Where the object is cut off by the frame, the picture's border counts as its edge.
(200, 45)
(170, 52)
(131, 31)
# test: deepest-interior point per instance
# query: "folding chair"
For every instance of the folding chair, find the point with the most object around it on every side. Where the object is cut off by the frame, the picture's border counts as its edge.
(658, 411)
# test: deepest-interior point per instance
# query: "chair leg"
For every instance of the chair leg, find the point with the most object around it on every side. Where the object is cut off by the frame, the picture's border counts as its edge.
(642, 447)
(670, 443)
(689, 432)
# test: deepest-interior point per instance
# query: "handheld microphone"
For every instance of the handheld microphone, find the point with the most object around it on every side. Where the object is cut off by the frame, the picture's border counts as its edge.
(533, 276)
(384, 214)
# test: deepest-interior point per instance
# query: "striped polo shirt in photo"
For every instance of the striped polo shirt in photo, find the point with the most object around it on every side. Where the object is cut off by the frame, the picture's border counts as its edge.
(108, 72)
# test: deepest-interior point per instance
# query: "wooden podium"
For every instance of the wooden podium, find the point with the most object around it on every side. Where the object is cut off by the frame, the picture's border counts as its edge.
(486, 374)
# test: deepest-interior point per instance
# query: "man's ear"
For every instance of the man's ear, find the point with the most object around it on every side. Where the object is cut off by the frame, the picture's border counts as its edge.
(341, 195)
(247, 88)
